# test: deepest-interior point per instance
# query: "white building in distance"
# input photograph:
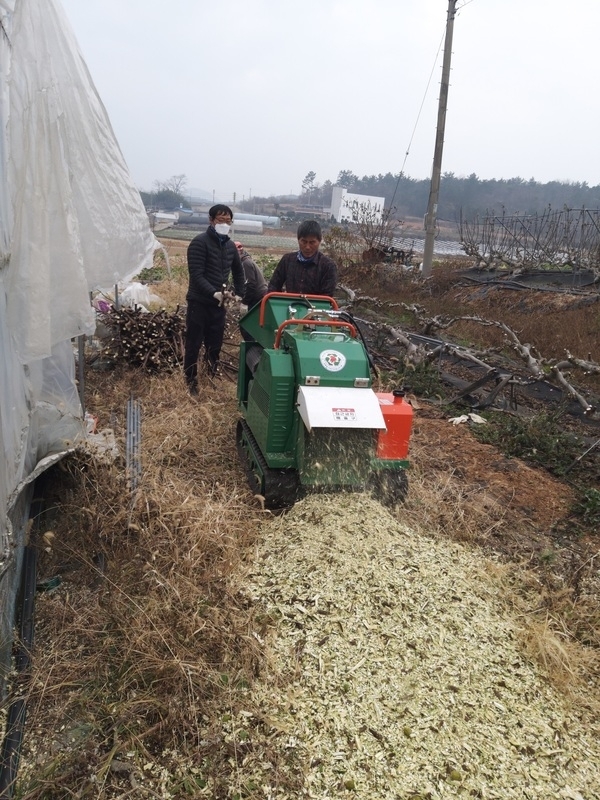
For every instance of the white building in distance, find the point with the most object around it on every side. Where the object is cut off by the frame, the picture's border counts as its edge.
(346, 207)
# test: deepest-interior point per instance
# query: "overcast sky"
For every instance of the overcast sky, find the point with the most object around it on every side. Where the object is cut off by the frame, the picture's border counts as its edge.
(249, 96)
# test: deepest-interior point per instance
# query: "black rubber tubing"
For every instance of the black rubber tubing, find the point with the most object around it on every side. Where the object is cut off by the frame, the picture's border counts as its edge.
(17, 712)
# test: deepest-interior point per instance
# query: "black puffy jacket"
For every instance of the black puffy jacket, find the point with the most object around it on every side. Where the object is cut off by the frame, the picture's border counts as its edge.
(211, 261)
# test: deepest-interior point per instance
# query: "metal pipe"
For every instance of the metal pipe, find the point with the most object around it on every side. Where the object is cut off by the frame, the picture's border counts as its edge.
(81, 370)
(133, 465)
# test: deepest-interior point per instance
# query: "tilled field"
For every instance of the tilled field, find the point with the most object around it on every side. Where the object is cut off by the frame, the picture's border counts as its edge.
(285, 241)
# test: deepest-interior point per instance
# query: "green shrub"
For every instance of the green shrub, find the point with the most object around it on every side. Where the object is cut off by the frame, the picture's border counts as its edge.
(588, 506)
(423, 380)
(159, 272)
(541, 439)
(152, 274)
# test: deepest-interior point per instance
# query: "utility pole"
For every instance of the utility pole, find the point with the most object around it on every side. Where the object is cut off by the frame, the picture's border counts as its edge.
(434, 191)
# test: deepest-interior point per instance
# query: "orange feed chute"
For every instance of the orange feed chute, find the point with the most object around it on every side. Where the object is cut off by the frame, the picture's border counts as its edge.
(397, 414)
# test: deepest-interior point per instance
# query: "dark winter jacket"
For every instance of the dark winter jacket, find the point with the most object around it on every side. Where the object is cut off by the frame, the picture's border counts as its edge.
(316, 277)
(256, 285)
(211, 261)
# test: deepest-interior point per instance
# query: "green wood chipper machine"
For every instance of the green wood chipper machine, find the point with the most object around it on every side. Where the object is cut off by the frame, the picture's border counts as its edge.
(310, 419)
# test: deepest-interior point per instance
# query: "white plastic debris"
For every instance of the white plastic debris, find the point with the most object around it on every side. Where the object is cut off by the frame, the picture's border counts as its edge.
(476, 418)
(468, 418)
(90, 422)
(103, 445)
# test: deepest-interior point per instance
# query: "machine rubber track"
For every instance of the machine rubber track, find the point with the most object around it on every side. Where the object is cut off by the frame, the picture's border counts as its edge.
(278, 487)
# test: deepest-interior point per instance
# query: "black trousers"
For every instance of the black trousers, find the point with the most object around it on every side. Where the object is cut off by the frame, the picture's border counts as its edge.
(205, 325)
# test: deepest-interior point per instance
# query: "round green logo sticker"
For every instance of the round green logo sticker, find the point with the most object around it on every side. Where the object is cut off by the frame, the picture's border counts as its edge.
(333, 360)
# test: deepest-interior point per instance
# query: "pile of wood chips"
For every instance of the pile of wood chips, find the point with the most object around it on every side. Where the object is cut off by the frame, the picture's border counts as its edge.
(395, 672)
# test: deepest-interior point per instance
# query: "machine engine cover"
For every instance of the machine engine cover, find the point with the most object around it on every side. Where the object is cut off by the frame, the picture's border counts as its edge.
(339, 407)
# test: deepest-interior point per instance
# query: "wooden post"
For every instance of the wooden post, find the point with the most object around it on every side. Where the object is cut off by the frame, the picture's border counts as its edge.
(434, 192)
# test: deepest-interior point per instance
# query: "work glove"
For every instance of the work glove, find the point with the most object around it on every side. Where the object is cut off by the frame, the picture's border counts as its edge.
(218, 297)
(243, 309)
(228, 298)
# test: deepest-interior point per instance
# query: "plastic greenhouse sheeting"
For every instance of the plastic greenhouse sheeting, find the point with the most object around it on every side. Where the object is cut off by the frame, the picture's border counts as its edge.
(71, 220)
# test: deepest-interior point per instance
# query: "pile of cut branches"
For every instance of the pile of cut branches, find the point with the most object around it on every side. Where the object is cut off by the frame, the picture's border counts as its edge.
(152, 341)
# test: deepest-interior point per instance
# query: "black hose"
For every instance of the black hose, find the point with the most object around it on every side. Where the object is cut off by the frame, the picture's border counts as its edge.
(17, 712)
(347, 316)
(11, 748)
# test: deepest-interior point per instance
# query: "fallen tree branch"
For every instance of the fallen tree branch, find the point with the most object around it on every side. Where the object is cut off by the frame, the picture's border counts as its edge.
(587, 408)
(429, 325)
(588, 366)
(459, 352)
(350, 293)
(527, 352)
(415, 354)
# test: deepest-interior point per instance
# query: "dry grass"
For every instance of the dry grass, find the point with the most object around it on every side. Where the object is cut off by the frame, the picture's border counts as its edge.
(172, 292)
(146, 634)
(146, 651)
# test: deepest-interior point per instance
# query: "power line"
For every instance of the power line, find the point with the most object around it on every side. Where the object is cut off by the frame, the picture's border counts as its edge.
(418, 118)
(437, 55)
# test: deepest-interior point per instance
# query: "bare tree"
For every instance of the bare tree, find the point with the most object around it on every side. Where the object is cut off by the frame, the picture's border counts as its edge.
(176, 183)
(559, 241)
(375, 227)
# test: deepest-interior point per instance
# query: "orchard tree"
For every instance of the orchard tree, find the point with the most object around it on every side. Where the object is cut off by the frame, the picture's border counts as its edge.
(375, 226)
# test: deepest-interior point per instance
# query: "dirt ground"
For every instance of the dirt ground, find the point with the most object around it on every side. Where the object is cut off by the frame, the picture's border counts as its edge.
(531, 498)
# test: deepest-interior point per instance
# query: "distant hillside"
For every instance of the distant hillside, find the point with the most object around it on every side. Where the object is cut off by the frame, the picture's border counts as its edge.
(199, 195)
(472, 195)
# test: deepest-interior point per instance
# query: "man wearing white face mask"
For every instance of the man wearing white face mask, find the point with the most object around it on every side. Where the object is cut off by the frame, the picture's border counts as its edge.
(212, 258)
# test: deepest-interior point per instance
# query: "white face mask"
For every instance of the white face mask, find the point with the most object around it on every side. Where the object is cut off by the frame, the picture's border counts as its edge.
(223, 228)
